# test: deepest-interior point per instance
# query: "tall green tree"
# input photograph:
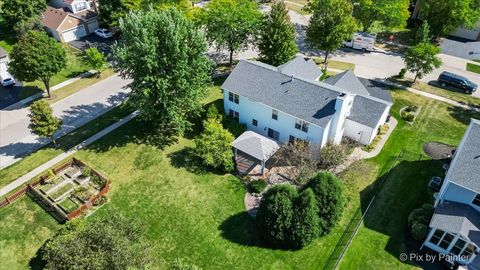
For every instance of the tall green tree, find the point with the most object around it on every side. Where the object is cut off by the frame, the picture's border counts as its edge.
(423, 33)
(391, 13)
(165, 55)
(231, 24)
(277, 36)
(422, 59)
(111, 242)
(15, 11)
(328, 192)
(95, 59)
(447, 15)
(37, 56)
(305, 222)
(42, 121)
(213, 146)
(331, 24)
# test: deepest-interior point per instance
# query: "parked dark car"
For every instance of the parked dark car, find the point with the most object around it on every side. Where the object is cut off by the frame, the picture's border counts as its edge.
(457, 81)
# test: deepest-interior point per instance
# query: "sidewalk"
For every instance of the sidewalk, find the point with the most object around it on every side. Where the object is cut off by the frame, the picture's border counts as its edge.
(45, 166)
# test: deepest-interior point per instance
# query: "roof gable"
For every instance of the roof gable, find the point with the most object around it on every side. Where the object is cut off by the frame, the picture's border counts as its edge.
(301, 67)
(348, 81)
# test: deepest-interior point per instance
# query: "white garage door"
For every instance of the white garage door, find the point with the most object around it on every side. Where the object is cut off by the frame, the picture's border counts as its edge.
(74, 33)
(92, 26)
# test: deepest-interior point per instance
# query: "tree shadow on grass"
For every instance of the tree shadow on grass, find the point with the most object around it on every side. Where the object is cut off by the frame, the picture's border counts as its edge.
(242, 229)
(37, 262)
(462, 115)
(185, 158)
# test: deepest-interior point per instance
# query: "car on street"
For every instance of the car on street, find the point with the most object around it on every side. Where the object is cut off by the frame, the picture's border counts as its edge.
(104, 33)
(361, 41)
(457, 81)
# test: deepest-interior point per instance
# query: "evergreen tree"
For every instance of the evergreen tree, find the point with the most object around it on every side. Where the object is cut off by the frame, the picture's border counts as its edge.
(277, 36)
(42, 121)
(305, 223)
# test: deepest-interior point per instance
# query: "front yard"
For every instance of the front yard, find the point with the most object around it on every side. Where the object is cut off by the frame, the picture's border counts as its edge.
(200, 216)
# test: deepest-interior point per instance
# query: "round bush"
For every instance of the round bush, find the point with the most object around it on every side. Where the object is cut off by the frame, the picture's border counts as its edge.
(421, 215)
(257, 186)
(419, 231)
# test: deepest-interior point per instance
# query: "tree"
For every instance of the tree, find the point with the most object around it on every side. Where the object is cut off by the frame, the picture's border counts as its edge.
(17, 11)
(111, 241)
(213, 146)
(332, 155)
(305, 222)
(37, 56)
(330, 201)
(95, 59)
(231, 24)
(423, 33)
(21, 28)
(300, 155)
(331, 24)
(447, 15)
(391, 13)
(165, 55)
(42, 121)
(275, 214)
(422, 59)
(277, 36)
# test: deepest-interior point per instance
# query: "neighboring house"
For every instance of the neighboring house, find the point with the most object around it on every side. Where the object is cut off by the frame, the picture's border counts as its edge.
(68, 20)
(288, 102)
(3, 56)
(455, 225)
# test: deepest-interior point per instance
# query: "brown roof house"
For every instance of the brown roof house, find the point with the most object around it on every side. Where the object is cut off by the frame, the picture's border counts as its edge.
(68, 20)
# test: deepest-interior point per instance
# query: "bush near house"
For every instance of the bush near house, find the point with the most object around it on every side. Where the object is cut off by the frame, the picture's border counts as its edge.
(257, 186)
(332, 155)
(407, 116)
(418, 221)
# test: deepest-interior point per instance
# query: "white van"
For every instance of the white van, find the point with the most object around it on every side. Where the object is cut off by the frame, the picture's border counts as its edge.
(6, 79)
(361, 41)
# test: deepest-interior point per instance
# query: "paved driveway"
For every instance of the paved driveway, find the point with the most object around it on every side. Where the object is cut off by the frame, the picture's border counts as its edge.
(16, 141)
(92, 40)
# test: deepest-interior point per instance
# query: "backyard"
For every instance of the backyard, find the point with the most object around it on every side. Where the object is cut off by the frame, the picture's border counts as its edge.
(199, 216)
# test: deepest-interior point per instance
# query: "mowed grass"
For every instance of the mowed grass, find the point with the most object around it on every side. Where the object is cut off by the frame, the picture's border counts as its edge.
(473, 68)
(199, 216)
(383, 236)
(335, 64)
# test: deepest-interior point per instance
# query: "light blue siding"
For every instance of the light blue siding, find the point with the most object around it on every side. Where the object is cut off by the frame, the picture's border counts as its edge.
(285, 124)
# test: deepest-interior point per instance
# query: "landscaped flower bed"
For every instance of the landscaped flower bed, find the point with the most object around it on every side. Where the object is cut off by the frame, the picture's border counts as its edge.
(409, 113)
(58, 194)
(68, 205)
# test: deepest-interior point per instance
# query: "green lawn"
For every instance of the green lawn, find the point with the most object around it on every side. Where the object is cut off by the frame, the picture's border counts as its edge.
(473, 68)
(200, 217)
(453, 95)
(334, 64)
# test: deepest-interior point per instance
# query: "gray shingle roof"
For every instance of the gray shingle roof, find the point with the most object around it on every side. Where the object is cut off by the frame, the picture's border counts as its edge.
(457, 218)
(465, 167)
(308, 100)
(376, 89)
(301, 67)
(348, 81)
(367, 111)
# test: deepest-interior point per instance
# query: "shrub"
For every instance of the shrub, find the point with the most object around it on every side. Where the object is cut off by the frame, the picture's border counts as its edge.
(82, 193)
(98, 181)
(330, 201)
(86, 171)
(383, 129)
(419, 231)
(233, 126)
(275, 214)
(212, 113)
(407, 116)
(418, 221)
(402, 72)
(305, 223)
(102, 200)
(332, 155)
(213, 146)
(257, 186)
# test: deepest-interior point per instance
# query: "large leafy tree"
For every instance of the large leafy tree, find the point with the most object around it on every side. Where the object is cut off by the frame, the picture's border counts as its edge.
(328, 192)
(37, 56)
(305, 222)
(447, 15)
(42, 121)
(391, 13)
(331, 24)
(213, 146)
(277, 36)
(422, 59)
(111, 241)
(165, 55)
(275, 214)
(95, 59)
(16, 11)
(231, 24)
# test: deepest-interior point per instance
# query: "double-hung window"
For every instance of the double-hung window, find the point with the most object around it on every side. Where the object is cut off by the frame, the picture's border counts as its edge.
(275, 114)
(301, 125)
(273, 134)
(234, 114)
(233, 97)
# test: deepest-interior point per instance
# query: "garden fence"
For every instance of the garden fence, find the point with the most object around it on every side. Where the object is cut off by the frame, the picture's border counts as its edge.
(350, 231)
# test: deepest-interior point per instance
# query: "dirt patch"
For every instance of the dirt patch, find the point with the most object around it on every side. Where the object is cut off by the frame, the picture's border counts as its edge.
(438, 150)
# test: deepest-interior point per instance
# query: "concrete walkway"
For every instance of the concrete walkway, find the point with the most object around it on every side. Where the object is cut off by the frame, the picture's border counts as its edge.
(358, 153)
(16, 141)
(45, 166)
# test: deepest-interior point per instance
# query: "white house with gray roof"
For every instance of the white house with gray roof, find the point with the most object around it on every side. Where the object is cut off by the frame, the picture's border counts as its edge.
(289, 102)
(455, 225)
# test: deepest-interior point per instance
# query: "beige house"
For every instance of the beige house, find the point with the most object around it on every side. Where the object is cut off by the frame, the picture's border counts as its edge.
(68, 20)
